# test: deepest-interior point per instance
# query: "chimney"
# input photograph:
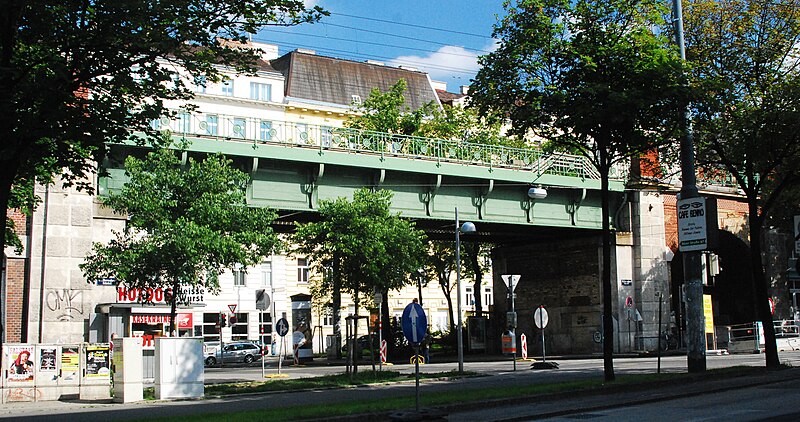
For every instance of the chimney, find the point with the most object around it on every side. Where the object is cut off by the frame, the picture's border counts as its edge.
(306, 51)
(464, 89)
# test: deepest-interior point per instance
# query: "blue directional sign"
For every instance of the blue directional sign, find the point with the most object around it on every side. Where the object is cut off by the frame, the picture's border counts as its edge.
(282, 327)
(414, 323)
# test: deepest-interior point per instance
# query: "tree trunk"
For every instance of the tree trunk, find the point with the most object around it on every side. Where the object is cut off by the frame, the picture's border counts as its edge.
(608, 326)
(385, 328)
(444, 284)
(477, 288)
(760, 286)
(336, 311)
(173, 302)
(356, 351)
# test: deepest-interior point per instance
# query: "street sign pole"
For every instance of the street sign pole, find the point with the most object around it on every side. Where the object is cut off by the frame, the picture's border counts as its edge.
(416, 371)
(261, 337)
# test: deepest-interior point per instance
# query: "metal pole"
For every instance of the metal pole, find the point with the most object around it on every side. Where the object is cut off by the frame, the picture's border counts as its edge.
(541, 324)
(416, 371)
(458, 296)
(513, 328)
(261, 334)
(658, 343)
(692, 271)
(380, 335)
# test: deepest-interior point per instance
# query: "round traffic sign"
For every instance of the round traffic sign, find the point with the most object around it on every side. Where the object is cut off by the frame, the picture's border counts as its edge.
(414, 323)
(540, 317)
(629, 302)
(282, 327)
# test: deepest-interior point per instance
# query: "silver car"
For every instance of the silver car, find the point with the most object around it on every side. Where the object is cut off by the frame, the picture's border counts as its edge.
(235, 352)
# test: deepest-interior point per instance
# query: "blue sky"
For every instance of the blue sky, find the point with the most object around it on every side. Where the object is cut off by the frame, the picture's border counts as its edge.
(399, 32)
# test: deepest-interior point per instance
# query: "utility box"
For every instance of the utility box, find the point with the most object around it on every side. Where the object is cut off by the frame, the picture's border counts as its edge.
(95, 371)
(126, 364)
(179, 367)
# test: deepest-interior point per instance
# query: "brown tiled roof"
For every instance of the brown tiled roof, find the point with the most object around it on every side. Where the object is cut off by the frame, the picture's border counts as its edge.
(332, 80)
(448, 97)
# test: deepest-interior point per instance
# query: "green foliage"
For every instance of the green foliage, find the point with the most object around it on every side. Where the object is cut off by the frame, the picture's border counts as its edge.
(386, 112)
(185, 225)
(368, 246)
(747, 78)
(76, 75)
(746, 73)
(594, 76)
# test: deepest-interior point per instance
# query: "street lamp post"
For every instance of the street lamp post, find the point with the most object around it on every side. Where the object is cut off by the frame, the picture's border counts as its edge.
(467, 227)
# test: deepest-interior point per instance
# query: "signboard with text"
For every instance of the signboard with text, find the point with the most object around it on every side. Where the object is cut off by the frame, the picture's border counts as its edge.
(692, 227)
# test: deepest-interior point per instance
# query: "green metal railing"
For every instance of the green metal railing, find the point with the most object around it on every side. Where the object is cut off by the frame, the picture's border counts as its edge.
(328, 138)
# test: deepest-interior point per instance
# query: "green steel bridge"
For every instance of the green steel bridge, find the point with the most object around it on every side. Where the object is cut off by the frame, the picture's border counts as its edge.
(294, 166)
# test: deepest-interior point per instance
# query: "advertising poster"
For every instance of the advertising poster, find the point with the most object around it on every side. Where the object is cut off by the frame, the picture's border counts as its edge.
(21, 368)
(70, 361)
(47, 359)
(97, 361)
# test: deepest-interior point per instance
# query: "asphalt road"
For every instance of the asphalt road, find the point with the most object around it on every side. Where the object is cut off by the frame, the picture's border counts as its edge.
(498, 373)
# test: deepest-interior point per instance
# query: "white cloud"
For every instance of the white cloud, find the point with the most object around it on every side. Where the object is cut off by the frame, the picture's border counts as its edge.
(448, 63)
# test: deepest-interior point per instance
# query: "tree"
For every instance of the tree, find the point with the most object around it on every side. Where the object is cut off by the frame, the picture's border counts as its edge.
(78, 75)
(386, 112)
(593, 76)
(439, 265)
(185, 226)
(746, 72)
(475, 257)
(364, 246)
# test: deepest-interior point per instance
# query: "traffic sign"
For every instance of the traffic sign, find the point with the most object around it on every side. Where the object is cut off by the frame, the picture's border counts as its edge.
(262, 300)
(524, 341)
(232, 307)
(414, 323)
(629, 302)
(540, 317)
(282, 327)
(511, 281)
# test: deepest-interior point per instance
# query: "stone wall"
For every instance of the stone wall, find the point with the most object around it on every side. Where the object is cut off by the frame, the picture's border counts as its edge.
(563, 276)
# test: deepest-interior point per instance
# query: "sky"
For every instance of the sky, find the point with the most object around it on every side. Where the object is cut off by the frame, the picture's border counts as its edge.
(443, 38)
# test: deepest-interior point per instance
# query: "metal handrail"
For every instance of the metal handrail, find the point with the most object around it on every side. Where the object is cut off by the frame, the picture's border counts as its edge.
(302, 135)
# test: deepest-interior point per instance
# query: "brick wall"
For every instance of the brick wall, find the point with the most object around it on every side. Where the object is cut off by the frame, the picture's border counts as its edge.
(15, 282)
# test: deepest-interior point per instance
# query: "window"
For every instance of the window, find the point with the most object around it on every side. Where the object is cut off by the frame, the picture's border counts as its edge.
(239, 278)
(265, 130)
(470, 296)
(227, 87)
(239, 126)
(302, 270)
(261, 92)
(210, 326)
(355, 100)
(200, 84)
(326, 136)
(488, 297)
(155, 124)
(212, 123)
(327, 316)
(239, 330)
(184, 123)
(266, 273)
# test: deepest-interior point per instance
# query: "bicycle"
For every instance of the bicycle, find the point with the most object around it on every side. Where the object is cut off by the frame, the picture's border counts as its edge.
(667, 341)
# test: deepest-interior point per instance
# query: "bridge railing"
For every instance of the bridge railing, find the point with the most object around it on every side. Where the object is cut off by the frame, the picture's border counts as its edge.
(302, 135)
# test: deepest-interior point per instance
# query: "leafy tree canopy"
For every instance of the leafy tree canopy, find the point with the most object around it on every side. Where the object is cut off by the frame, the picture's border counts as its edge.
(588, 75)
(746, 72)
(76, 75)
(597, 77)
(372, 248)
(185, 225)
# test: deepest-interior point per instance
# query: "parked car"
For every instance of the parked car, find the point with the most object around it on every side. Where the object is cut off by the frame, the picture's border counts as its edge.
(235, 352)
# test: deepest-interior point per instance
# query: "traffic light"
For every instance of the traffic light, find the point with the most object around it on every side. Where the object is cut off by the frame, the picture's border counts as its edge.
(222, 320)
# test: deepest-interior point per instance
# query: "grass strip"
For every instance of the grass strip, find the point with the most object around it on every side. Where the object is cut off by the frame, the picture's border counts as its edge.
(441, 398)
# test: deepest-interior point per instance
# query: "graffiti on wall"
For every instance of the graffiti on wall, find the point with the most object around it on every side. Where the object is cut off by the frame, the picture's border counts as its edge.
(66, 303)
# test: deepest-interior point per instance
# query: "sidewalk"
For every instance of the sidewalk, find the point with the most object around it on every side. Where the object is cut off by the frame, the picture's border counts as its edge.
(537, 406)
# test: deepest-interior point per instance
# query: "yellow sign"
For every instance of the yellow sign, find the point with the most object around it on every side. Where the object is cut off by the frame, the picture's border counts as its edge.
(708, 312)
